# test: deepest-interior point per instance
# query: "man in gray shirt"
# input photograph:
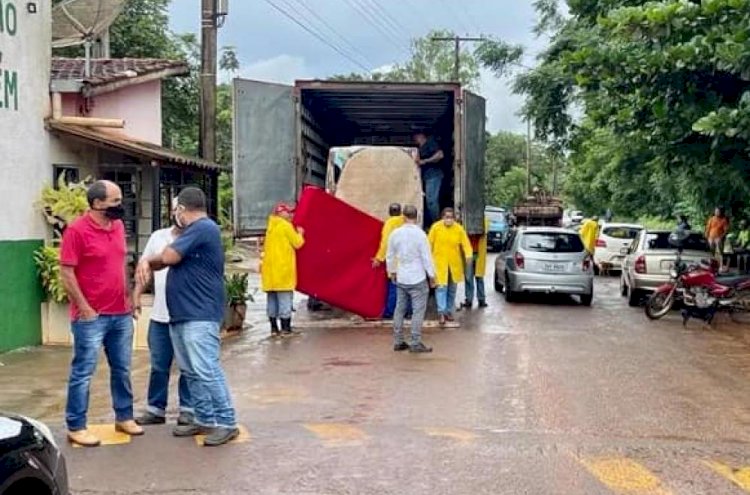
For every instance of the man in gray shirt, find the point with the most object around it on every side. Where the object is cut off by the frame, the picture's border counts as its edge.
(409, 263)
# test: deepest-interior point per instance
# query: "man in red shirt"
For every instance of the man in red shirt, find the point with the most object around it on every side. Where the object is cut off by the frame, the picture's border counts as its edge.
(92, 259)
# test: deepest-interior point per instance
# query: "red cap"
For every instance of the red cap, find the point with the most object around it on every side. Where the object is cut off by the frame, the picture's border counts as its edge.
(283, 208)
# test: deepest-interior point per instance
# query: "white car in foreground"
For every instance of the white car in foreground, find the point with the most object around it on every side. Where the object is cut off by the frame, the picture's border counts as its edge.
(613, 237)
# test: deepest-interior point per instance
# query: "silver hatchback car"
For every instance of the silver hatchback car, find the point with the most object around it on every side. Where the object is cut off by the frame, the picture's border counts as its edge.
(544, 259)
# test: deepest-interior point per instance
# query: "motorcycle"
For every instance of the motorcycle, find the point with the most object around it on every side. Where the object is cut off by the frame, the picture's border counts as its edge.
(699, 288)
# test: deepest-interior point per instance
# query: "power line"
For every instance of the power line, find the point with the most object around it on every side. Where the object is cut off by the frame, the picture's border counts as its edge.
(387, 16)
(456, 14)
(457, 51)
(316, 35)
(353, 50)
(375, 23)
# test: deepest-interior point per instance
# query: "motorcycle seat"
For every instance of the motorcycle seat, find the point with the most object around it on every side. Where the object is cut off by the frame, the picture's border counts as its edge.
(732, 281)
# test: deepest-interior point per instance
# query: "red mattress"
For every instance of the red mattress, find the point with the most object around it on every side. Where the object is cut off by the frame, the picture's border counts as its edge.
(335, 264)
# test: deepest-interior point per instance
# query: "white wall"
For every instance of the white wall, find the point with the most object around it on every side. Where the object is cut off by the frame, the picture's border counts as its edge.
(24, 150)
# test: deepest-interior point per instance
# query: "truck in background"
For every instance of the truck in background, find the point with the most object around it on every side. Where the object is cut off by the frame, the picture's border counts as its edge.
(537, 210)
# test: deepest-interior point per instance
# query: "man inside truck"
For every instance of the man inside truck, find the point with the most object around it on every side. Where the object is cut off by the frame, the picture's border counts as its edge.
(430, 163)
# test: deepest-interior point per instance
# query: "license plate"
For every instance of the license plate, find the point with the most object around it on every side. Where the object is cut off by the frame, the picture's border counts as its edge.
(554, 267)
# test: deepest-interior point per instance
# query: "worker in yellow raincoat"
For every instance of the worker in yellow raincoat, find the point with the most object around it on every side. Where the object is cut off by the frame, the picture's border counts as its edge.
(475, 270)
(589, 233)
(395, 220)
(278, 270)
(451, 250)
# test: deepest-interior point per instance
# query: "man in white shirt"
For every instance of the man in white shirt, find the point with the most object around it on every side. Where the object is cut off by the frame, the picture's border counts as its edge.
(160, 342)
(410, 266)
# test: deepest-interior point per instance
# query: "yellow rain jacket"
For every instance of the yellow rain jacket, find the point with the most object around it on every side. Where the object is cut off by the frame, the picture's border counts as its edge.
(450, 248)
(278, 269)
(481, 264)
(388, 227)
(589, 233)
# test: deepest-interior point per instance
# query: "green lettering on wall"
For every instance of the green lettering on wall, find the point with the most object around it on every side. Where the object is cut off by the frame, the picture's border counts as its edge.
(11, 19)
(8, 18)
(11, 88)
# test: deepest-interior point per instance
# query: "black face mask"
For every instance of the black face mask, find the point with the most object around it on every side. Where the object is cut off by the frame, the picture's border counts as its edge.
(114, 212)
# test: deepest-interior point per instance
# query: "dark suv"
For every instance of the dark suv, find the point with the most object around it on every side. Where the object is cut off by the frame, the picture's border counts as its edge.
(30, 461)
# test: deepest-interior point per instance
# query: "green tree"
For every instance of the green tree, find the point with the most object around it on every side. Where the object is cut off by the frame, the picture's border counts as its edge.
(505, 156)
(664, 92)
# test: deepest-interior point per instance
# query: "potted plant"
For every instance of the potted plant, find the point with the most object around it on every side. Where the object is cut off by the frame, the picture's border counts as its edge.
(60, 205)
(236, 287)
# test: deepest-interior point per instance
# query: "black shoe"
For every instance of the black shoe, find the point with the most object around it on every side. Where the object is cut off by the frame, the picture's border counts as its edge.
(185, 418)
(400, 347)
(468, 305)
(220, 436)
(419, 348)
(482, 304)
(274, 326)
(191, 430)
(149, 418)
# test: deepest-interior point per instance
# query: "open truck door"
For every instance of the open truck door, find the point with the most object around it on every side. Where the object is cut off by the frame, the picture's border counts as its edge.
(264, 164)
(473, 148)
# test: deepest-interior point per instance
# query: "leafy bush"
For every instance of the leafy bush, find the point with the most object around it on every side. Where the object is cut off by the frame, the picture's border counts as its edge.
(47, 260)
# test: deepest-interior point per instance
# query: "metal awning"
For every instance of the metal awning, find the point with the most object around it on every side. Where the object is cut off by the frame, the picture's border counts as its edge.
(130, 146)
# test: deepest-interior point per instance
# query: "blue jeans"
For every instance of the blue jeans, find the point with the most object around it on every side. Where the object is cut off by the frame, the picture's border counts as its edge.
(446, 297)
(390, 302)
(279, 304)
(414, 296)
(197, 347)
(162, 355)
(470, 279)
(432, 178)
(115, 334)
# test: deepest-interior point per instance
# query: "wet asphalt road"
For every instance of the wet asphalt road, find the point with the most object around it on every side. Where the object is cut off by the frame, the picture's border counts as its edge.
(539, 397)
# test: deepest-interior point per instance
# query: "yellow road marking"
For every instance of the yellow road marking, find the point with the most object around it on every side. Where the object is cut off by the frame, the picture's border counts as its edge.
(625, 476)
(739, 476)
(243, 437)
(278, 395)
(459, 434)
(107, 435)
(337, 434)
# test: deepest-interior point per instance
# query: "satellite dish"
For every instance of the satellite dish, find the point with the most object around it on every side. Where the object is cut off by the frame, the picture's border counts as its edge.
(75, 22)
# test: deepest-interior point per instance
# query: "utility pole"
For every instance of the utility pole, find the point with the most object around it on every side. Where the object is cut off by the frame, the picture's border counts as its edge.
(208, 80)
(457, 52)
(528, 155)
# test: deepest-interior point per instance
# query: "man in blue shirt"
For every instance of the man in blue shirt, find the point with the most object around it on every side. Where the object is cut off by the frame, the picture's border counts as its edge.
(195, 299)
(429, 161)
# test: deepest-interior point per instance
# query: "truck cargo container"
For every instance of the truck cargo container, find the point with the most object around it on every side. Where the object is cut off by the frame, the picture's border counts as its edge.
(282, 135)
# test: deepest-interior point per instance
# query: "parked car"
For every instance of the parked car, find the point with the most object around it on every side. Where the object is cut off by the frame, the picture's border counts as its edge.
(544, 259)
(30, 460)
(650, 258)
(498, 227)
(613, 237)
(576, 216)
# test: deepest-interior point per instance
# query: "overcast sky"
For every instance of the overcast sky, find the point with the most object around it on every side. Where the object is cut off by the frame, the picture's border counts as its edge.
(271, 47)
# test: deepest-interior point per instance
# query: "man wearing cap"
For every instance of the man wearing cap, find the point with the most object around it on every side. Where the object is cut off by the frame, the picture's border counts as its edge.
(278, 268)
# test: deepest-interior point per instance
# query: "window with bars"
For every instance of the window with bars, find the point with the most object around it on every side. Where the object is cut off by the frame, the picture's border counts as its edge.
(173, 180)
(127, 180)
